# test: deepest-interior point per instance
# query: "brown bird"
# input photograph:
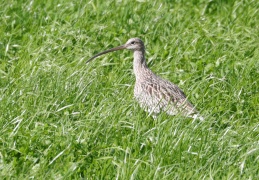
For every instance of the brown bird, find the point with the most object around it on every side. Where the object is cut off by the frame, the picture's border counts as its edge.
(153, 93)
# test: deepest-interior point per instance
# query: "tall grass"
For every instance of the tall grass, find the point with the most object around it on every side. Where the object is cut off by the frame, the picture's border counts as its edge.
(63, 119)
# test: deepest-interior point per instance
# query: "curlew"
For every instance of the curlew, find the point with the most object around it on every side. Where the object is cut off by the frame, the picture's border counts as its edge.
(153, 93)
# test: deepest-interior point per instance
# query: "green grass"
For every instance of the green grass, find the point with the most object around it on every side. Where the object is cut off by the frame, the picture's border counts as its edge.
(63, 119)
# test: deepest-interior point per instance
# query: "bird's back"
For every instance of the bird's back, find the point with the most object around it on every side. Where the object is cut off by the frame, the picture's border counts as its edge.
(156, 94)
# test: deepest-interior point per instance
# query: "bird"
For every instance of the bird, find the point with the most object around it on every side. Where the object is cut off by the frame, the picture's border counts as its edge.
(153, 93)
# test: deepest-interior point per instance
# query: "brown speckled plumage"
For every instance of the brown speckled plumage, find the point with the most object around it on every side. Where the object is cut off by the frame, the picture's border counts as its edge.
(153, 93)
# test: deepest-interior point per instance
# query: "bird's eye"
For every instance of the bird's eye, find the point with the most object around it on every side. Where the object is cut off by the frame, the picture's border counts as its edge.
(133, 42)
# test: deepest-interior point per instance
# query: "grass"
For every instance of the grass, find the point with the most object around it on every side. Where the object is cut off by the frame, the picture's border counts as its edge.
(64, 119)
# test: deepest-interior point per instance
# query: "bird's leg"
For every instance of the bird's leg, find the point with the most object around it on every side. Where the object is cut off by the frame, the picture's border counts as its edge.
(197, 117)
(154, 116)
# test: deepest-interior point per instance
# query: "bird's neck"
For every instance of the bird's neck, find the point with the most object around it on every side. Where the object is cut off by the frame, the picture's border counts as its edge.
(139, 64)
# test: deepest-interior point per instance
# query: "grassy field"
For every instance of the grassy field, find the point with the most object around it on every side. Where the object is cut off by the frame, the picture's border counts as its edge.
(63, 119)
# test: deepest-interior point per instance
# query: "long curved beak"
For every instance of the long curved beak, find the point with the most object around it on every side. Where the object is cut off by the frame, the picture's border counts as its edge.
(107, 51)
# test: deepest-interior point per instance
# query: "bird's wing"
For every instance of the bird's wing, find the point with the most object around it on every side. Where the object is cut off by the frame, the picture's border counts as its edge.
(180, 97)
(168, 93)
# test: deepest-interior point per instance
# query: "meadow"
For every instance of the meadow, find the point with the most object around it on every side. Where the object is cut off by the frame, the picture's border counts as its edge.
(61, 118)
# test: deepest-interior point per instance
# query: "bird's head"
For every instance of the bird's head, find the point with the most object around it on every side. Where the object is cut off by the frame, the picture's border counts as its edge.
(134, 44)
